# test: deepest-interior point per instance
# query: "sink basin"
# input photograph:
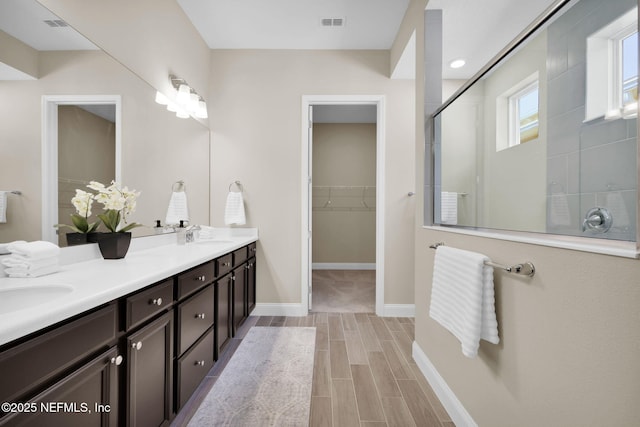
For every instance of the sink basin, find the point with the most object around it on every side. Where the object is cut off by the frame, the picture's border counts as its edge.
(21, 297)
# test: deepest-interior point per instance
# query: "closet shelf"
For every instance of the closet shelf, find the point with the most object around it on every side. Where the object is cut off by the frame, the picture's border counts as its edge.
(344, 198)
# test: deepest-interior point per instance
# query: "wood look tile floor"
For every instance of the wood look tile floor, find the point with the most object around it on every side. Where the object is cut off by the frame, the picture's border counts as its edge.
(364, 375)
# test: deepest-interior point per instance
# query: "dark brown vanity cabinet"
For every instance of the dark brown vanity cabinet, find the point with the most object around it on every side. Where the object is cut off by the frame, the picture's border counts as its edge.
(134, 361)
(150, 374)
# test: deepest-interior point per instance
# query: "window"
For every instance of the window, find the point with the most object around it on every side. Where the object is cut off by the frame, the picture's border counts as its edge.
(517, 119)
(612, 70)
(523, 115)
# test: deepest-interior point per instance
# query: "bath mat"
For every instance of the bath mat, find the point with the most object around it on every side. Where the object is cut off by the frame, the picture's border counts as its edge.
(267, 382)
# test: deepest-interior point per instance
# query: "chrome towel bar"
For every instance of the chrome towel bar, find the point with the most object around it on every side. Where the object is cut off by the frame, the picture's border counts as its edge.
(525, 268)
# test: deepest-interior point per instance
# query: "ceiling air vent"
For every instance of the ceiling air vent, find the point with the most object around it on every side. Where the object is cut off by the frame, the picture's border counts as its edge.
(55, 23)
(332, 22)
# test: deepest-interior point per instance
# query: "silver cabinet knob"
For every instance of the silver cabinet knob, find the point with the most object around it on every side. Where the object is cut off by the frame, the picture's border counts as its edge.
(136, 345)
(199, 363)
(202, 278)
(233, 278)
(200, 315)
(117, 360)
(226, 264)
(156, 301)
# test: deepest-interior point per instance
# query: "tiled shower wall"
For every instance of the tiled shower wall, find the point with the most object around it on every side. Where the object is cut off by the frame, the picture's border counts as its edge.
(588, 164)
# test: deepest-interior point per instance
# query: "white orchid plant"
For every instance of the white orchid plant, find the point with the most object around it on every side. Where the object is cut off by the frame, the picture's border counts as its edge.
(82, 201)
(117, 201)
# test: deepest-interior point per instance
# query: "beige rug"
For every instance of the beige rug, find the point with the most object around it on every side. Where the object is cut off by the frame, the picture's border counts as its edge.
(267, 382)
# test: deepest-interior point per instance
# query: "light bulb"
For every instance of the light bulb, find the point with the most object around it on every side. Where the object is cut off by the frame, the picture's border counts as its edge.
(201, 113)
(172, 106)
(182, 113)
(184, 93)
(161, 99)
(192, 105)
(458, 63)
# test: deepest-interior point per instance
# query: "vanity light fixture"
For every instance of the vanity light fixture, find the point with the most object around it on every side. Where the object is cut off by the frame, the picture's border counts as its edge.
(187, 101)
(457, 63)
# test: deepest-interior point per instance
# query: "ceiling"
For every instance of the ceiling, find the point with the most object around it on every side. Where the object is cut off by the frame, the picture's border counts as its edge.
(469, 26)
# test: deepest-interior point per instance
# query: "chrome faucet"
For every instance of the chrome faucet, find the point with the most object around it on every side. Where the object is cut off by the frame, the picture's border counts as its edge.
(191, 233)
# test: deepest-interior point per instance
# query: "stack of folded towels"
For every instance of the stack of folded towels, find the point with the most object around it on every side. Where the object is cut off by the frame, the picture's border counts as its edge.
(30, 259)
(207, 233)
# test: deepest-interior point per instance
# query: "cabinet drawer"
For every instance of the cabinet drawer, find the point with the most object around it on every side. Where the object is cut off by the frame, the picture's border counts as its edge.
(195, 279)
(145, 304)
(40, 359)
(224, 264)
(193, 366)
(195, 316)
(239, 256)
(252, 249)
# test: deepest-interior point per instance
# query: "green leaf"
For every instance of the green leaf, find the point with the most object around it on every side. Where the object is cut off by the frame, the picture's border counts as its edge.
(129, 227)
(110, 219)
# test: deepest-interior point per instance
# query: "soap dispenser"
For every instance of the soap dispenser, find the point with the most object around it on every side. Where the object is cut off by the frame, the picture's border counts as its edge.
(182, 233)
(158, 228)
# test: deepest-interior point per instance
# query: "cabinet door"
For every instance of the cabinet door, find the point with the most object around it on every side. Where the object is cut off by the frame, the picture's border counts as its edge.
(251, 285)
(223, 313)
(150, 374)
(238, 282)
(86, 397)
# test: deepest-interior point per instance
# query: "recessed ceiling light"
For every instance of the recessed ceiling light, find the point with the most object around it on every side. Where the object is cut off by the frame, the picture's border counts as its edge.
(458, 63)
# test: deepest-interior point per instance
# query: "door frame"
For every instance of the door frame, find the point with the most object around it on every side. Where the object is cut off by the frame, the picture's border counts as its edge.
(379, 102)
(49, 165)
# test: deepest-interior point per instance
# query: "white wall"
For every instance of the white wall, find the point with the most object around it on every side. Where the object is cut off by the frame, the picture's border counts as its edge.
(255, 114)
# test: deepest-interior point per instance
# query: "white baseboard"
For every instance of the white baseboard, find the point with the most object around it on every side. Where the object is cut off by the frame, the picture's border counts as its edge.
(275, 309)
(343, 266)
(399, 310)
(453, 406)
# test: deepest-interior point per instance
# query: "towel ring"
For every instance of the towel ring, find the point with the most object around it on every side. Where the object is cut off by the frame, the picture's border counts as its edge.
(237, 184)
(180, 185)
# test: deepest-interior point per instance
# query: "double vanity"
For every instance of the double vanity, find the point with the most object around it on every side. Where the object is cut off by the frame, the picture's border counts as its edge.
(122, 342)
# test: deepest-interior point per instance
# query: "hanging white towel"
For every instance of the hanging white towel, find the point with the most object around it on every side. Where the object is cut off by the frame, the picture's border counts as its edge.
(178, 209)
(449, 208)
(462, 297)
(3, 206)
(234, 209)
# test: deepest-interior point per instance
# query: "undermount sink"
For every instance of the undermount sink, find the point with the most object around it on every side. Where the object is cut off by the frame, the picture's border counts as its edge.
(21, 297)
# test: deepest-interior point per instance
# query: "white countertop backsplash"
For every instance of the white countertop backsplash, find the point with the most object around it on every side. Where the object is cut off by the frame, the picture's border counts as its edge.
(96, 281)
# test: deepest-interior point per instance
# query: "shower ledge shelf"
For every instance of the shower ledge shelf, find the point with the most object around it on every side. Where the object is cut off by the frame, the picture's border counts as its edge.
(584, 244)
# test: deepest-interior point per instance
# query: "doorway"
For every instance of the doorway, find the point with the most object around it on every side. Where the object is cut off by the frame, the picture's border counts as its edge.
(95, 105)
(343, 206)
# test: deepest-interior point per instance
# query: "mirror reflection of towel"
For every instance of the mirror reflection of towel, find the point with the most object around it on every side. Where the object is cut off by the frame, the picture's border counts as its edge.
(178, 209)
(234, 209)
(559, 213)
(449, 208)
(618, 209)
(3, 206)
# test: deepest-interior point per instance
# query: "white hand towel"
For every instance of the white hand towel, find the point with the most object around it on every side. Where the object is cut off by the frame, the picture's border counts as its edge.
(178, 209)
(4, 247)
(19, 261)
(234, 209)
(462, 297)
(449, 208)
(34, 250)
(3, 206)
(20, 272)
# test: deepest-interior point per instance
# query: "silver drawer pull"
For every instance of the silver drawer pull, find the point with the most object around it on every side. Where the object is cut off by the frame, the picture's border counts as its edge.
(202, 278)
(117, 360)
(136, 345)
(199, 363)
(200, 316)
(156, 301)
(226, 264)
(233, 278)
(253, 249)
(246, 267)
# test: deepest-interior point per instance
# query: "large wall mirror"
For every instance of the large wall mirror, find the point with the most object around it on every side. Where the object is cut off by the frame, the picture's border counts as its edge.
(545, 139)
(111, 126)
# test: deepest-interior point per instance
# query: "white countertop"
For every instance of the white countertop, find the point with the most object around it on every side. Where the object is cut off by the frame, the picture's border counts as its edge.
(97, 281)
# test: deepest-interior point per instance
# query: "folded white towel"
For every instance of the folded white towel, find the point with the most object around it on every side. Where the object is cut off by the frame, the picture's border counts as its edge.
(234, 209)
(178, 209)
(19, 261)
(4, 247)
(462, 297)
(449, 208)
(3, 206)
(207, 233)
(21, 272)
(34, 250)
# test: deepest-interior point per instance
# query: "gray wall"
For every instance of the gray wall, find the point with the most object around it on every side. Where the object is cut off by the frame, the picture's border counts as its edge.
(580, 154)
